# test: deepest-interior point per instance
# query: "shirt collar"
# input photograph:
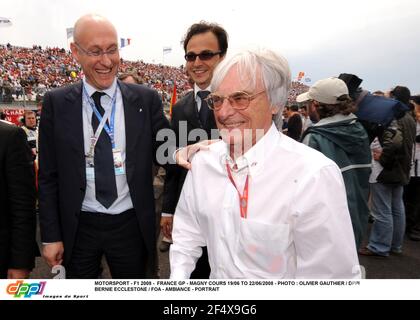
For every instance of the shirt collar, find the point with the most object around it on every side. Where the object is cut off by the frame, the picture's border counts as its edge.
(197, 88)
(91, 89)
(255, 157)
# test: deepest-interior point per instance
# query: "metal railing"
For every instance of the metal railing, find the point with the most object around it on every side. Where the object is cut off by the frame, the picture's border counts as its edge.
(19, 96)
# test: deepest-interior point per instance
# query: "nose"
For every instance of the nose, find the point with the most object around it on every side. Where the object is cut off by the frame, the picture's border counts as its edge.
(197, 61)
(105, 60)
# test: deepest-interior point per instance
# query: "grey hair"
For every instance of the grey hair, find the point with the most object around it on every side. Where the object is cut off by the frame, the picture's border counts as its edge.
(272, 67)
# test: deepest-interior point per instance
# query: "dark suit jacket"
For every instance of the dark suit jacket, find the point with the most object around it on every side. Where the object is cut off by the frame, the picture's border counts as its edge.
(62, 176)
(17, 201)
(185, 110)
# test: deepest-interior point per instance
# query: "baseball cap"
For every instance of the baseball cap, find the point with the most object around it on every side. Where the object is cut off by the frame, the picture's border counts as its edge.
(325, 91)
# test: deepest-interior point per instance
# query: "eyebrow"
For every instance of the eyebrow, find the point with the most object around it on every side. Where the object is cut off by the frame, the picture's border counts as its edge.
(97, 47)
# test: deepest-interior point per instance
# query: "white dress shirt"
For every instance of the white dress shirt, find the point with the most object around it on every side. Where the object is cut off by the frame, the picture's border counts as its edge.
(123, 202)
(298, 223)
(198, 102)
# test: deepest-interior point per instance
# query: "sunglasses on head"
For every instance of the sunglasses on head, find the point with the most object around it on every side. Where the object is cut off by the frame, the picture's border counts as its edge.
(205, 55)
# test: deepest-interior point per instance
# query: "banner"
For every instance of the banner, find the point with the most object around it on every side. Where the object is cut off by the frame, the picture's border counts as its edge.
(14, 115)
(224, 289)
(5, 22)
(124, 42)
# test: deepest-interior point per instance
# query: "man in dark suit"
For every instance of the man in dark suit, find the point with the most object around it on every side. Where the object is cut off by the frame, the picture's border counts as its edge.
(97, 143)
(17, 204)
(205, 45)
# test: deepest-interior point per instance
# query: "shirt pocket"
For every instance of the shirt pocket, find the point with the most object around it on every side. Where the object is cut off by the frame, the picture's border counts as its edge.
(261, 249)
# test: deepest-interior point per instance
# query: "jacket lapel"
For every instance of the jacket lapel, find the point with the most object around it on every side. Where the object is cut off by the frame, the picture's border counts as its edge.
(73, 117)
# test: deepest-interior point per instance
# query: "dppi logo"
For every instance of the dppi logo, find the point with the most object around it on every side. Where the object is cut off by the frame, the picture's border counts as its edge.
(26, 290)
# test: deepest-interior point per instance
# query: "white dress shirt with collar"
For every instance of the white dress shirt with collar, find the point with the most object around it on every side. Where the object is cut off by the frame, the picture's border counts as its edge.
(197, 98)
(298, 223)
(198, 102)
(123, 201)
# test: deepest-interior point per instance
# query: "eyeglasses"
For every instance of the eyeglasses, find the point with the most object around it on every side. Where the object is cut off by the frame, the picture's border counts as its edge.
(238, 100)
(99, 52)
(204, 56)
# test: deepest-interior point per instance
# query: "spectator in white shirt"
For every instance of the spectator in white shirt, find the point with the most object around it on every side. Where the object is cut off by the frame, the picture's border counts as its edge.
(270, 207)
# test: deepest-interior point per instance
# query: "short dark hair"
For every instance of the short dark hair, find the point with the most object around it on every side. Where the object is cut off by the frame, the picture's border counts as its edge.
(203, 27)
(294, 107)
(401, 94)
(345, 106)
(416, 99)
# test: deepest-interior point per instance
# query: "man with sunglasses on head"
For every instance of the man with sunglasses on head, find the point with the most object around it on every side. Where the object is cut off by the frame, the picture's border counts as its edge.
(265, 205)
(97, 143)
(205, 45)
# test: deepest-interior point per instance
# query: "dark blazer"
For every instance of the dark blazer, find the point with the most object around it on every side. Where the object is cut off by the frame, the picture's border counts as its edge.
(185, 110)
(17, 201)
(62, 176)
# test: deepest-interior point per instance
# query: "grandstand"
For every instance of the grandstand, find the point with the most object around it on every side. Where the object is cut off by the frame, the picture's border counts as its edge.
(27, 73)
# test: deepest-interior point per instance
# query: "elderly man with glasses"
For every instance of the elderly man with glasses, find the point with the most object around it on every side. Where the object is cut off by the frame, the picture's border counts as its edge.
(265, 205)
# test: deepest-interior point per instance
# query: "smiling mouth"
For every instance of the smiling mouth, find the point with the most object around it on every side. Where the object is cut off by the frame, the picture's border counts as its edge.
(232, 125)
(199, 72)
(105, 72)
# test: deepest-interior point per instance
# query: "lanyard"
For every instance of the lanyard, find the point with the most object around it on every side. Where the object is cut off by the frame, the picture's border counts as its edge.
(243, 198)
(102, 121)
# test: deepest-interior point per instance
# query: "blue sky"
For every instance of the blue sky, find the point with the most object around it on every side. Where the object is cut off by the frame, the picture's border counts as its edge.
(375, 39)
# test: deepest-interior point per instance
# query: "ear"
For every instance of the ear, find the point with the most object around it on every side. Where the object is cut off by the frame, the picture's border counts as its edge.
(74, 51)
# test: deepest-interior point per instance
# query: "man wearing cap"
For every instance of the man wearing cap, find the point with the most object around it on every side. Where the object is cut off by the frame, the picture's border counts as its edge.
(342, 138)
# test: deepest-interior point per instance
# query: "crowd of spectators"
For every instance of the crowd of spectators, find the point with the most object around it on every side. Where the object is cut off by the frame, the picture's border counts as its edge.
(27, 73)
(296, 89)
(32, 71)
